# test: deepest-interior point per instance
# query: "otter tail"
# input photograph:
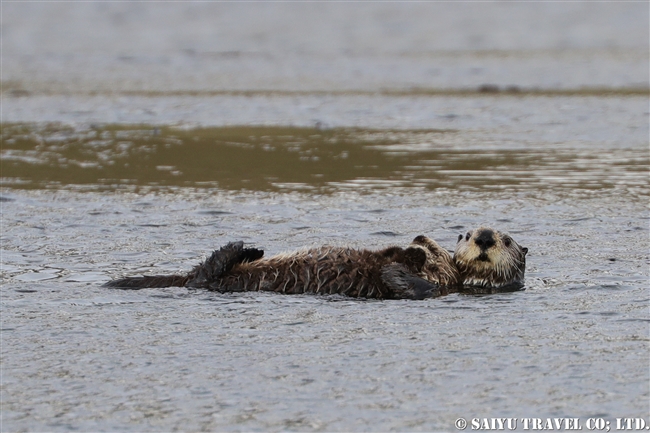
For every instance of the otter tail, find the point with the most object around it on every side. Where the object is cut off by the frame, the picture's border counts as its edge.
(135, 283)
(219, 263)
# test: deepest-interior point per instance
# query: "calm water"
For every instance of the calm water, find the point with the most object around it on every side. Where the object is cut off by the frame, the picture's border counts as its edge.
(138, 138)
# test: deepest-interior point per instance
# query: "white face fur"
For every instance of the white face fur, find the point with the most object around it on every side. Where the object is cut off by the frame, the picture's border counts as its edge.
(486, 257)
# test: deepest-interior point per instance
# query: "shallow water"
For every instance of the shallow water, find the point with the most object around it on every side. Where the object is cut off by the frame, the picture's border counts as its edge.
(137, 138)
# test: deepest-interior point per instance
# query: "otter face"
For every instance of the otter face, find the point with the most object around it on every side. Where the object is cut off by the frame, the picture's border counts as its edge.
(438, 266)
(488, 258)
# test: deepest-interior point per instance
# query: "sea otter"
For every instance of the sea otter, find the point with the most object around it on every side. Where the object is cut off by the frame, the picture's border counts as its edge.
(484, 259)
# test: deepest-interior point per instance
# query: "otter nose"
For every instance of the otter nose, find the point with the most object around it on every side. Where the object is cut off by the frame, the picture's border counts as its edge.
(485, 239)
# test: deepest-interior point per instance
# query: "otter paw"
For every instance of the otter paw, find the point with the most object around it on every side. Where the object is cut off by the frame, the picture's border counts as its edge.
(406, 285)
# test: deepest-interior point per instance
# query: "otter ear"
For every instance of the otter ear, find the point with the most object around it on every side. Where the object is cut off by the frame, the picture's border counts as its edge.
(459, 238)
(525, 250)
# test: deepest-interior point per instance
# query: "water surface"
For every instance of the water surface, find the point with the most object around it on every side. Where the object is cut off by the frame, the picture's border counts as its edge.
(137, 138)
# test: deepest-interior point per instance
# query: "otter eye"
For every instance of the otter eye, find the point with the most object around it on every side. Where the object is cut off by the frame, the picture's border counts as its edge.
(460, 237)
(507, 242)
(467, 236)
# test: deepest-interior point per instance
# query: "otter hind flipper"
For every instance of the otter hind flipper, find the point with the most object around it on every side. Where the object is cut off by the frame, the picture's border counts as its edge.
(147, 282)
(406, 285)
(221, 262)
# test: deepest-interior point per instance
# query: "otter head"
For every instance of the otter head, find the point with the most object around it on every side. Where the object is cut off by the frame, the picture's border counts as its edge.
(488, 258)
(435, 263)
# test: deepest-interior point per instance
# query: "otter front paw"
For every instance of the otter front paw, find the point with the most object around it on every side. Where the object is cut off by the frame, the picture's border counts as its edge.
(406, 285)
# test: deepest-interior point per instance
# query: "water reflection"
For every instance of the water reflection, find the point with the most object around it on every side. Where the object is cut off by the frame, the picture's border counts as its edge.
(298, 159)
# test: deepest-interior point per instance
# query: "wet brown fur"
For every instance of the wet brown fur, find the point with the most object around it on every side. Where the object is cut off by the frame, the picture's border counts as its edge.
(344, 271)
